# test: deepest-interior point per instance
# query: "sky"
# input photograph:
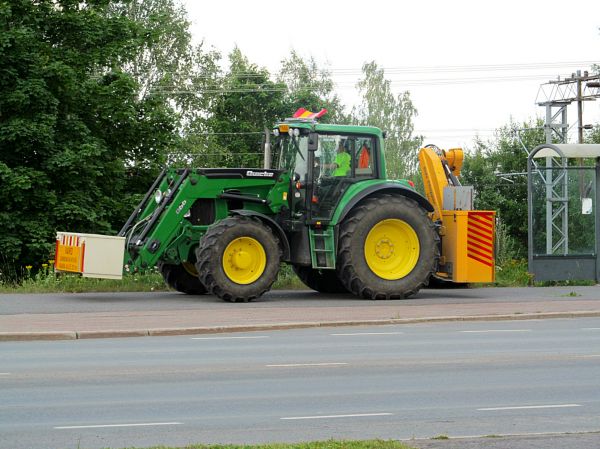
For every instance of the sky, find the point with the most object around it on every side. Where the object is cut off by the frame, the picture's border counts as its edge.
(470, 66)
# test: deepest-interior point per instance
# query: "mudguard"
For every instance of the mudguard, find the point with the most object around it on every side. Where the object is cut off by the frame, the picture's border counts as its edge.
(285, 245)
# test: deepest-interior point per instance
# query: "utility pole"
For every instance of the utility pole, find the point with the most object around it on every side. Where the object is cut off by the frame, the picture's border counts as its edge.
(560, 93)
(267, 158)
(579, 111)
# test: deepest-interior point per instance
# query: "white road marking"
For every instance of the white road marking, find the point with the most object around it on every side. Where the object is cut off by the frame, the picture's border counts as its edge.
(590, 356)
(98, 426)
(4, 374)
(367, 333)
(591, 329)
(285, 365)
(527, 407)
(357, 415)
(496, 330)
(230, 338)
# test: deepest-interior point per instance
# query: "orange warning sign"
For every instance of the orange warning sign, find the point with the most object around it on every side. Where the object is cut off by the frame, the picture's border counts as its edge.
(69, 253)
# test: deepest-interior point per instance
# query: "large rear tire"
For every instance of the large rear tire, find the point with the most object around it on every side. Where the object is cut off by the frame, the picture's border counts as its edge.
(238, 259)
(388, 248)
(323, 281)
(182, 278)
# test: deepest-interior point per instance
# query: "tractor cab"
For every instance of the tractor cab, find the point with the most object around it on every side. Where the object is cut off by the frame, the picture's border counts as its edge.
(324, 161)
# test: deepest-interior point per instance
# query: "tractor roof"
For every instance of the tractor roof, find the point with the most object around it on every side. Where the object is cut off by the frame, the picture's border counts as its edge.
(329, 128)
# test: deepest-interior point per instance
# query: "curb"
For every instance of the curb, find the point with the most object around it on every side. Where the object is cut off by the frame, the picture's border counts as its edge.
(80, 335)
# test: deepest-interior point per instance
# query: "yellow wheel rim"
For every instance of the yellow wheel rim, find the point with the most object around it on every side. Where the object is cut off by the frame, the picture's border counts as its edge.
(392, 249)
(244, 260)
(190, 268)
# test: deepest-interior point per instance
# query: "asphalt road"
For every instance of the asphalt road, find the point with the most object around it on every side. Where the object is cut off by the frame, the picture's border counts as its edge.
(113, 302)
(412, 381)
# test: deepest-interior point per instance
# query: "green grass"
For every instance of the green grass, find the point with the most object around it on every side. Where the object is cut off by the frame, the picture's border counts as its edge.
(287, 279)
(46, 281)
(331, 444)
(68, 283)
(512, 273)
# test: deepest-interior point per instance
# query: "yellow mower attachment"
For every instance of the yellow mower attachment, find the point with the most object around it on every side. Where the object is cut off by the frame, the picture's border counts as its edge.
(467, 235)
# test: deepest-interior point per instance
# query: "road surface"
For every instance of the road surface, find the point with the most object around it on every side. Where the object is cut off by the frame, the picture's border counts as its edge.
(411, 381)
(114, 302)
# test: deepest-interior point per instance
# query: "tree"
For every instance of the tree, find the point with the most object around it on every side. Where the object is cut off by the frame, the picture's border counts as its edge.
(310, 87)
(172, 77)
(393, 114)
(69, 117)
(497, 171)
(169, 66)
(245, 103)
(165, 57)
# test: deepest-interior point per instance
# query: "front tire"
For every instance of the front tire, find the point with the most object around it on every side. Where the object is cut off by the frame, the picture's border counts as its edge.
(323, 281)
(388, 248)
(238, 259)
(182, 278)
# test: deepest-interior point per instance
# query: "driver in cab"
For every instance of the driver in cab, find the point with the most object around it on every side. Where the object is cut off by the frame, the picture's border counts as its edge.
(341, 166)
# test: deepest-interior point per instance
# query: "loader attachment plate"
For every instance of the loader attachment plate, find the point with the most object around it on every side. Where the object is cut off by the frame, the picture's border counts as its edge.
(91, 255)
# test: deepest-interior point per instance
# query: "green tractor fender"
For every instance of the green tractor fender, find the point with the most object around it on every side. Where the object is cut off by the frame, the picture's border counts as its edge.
(268, 221)
(353, 197)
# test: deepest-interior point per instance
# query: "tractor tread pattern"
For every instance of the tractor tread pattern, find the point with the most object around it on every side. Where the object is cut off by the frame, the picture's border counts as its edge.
(347, 272)
(206, 259)
(323, 281)
(179, 279)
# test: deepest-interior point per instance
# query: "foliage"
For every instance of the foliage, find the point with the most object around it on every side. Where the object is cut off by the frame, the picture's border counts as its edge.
(513, 273)
(379, 107)
(172, 77)
(171, 71)
(497, 171)
(164, 60)
(45, 280)
(594, 135)
(244, 103)
(287, 279)
(78, 140)
(310, 87)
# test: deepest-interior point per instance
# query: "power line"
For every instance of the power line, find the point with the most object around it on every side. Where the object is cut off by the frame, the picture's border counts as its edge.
(269, 88)
(430, 68)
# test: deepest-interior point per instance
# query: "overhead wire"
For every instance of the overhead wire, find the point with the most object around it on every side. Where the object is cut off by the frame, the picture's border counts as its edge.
(270, 86)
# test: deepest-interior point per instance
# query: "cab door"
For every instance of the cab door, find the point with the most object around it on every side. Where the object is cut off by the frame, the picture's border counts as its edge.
(339, 161)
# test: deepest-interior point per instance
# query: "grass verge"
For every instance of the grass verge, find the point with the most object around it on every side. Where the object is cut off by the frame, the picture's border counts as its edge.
(47, 281)
(512, 273)
(331, 444)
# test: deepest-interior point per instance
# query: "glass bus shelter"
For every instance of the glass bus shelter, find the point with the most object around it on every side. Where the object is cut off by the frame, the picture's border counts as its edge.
(563, 217)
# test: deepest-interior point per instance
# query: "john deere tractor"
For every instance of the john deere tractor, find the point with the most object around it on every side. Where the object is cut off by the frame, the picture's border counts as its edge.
(327, 209)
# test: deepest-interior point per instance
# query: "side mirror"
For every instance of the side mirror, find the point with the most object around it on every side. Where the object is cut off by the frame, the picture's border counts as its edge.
(313, 141)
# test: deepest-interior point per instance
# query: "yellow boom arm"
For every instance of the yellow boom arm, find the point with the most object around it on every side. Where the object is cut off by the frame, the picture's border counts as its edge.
(467, 235)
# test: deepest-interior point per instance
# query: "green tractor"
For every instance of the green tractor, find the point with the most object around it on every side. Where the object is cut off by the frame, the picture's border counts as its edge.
(327, 209)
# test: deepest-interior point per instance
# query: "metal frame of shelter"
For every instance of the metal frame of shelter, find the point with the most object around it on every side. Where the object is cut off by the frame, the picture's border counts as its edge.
(557, 260)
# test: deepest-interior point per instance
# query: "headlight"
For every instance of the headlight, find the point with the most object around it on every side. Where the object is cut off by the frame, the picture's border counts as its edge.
(158, 196)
